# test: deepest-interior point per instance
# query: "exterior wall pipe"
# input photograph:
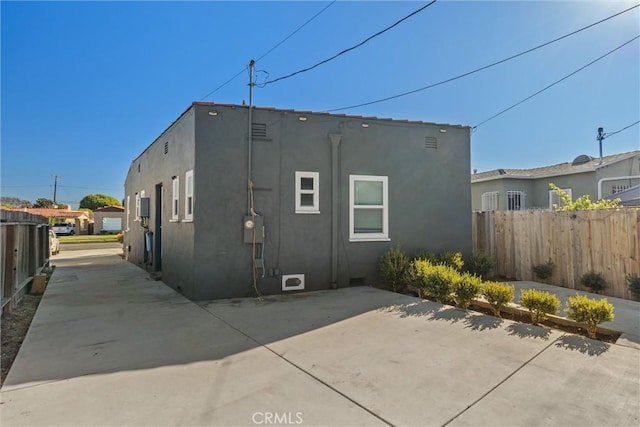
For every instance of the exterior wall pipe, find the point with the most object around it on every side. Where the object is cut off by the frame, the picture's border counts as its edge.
(615, 178)
(335, 176)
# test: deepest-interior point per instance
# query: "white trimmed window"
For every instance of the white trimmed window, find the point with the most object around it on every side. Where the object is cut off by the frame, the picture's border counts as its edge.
(128, 206)
(490, 201)
(175, 198)
(554, 199)
(137, 217)
(368, 208)
(619, 188)
(307, 193)
(188, 196)
(515, 200)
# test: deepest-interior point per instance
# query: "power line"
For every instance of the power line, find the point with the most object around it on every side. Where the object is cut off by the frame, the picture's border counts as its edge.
(388, 98)
(271, 50)
(352, 47)
(554, 83)
(624, 128)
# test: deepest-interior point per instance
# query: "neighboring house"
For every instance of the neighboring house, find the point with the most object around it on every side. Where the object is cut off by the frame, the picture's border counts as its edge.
(629, 197)
(109, 219)
(519, 189)
(79, 218)
(329, 195)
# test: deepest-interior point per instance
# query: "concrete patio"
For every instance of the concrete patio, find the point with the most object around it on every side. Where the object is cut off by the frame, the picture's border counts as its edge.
(109, 346)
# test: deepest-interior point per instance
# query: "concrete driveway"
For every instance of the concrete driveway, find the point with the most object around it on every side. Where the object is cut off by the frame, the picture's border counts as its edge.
(108, 346)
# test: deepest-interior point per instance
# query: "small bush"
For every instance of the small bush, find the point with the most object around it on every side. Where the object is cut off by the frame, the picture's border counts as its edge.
(539, 303)
(427, 256)
(589, 311)
(451, 259)
(394, 265)
(594, 281)
(120, 237)
(465, 289)
(543, 271)
(480, 264)
(633, 281)
(498, 295)
(433, 280)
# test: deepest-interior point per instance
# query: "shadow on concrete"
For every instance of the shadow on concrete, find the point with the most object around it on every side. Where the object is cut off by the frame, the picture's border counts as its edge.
(583, 345)
(427, 309)
(483, 322)
(525, 330)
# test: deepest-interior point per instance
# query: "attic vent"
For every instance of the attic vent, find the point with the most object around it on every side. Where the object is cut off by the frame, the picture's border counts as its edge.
(581, 160)
(430, 142)
(258, 130)
(166, 147)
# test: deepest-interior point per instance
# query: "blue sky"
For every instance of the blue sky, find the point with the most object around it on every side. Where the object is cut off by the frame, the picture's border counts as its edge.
(86, 86)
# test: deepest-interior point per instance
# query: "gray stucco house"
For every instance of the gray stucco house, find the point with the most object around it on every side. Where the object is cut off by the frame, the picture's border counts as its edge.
(519, 189)
(295, 201)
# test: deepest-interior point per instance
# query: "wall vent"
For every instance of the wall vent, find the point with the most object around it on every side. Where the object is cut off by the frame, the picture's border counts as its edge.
(259, 130)
(430, 142)
(293, 282)
(166, 147)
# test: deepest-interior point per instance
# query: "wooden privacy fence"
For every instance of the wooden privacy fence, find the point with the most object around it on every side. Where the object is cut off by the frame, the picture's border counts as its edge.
(24, 251)
(605, 241)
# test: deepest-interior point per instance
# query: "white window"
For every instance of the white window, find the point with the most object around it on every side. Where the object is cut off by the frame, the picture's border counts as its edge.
(137, 218)
(128, 211)
(307, 193)
(175, 199)
(554, 199)
(188, 196)
(368, 208)
(490, 201)
(619, 188)
(515, 200)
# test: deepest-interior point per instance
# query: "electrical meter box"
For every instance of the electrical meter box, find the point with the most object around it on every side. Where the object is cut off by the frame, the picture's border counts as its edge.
(251, 224)
(145, 207)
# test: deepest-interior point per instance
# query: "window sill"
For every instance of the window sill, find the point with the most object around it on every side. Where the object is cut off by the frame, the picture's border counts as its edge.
(307, 212)
(187, 220)
(369, 239)
(174, 220)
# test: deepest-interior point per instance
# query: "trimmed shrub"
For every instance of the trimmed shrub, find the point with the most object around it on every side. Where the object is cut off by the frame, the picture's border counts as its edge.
(451, 259)
(589, 311)
(594, 281)
(480, 264)
(465, 289)
(433, 280)
(498, 295)
(633, 281)
(543, 271)
(427, 256)
(539, 303)
(394, 265)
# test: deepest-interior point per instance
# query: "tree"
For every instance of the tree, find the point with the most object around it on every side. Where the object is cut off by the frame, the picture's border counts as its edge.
(44, 203)
(95, 201)
(14, 202)
(581, 203)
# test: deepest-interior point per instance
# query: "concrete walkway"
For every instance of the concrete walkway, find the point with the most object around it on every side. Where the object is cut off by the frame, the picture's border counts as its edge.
(108, 346)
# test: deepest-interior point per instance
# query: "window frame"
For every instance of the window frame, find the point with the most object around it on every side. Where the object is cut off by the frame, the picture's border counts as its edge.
(137, 207)
(128, 214)
(175, 199)
(189, 199)
(494, 197)
(299, 191)
(369, 237)
(521, 197)
(553, 194)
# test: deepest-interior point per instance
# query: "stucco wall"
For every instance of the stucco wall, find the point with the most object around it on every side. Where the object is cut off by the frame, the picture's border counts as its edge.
(429, 196)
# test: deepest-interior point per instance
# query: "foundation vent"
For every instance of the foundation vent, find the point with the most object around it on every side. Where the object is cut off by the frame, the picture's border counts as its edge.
(293, 282)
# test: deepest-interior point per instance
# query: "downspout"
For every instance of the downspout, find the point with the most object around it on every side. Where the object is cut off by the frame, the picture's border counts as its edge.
(335, 176)
(615, 178)
(249, 137)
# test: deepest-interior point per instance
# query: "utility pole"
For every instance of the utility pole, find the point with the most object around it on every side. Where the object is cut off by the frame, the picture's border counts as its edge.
(600, 137)
(55, 188)
(249, 136)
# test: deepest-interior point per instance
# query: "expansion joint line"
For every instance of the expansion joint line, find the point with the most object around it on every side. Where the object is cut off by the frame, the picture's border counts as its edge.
(503, 381)
(301, 369)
